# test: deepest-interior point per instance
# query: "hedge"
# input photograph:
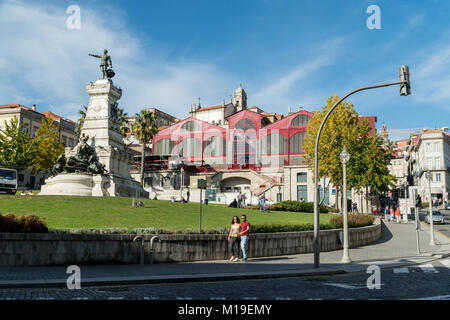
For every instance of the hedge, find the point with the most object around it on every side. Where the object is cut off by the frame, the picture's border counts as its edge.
(294, 206)
(22, 224)
(354, 220)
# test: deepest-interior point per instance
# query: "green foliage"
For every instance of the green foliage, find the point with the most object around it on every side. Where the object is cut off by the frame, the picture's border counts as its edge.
(46, 146)
(16, 149)
(354, 220)
(23, 224)
(82, 112)
(144, 129)
(369, 156)
(297, 206)
(341, 129)
(278, 227)
(123, 120)
(378, 157)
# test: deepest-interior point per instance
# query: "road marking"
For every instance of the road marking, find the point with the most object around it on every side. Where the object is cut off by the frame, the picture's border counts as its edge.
(346, 286)
(218, 298)
(184, 298)
(446, 263)
(250, 298)
(401, 270)
(282, 298)
(428, 268)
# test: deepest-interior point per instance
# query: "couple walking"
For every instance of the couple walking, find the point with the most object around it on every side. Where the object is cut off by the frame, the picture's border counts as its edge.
(239, 232)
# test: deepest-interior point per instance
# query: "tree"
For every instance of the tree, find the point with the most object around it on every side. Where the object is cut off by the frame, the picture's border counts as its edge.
(378, 156)
(123, 120)
(144, 129)
(341, 129)
(369, 156)
(47, 146)
(16, 149)
(82, 112)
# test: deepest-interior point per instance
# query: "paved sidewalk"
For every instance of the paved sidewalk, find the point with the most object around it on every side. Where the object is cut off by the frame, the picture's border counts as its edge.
(396, 248)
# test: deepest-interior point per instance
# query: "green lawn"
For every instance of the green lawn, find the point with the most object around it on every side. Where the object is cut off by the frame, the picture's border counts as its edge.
(111, 212)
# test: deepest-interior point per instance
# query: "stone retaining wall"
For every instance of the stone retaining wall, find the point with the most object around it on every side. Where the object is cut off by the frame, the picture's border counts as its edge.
(21, 249)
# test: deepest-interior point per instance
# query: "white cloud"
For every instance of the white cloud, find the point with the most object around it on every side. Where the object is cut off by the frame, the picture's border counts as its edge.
(288, 90)
(430, 79)
(44, 62)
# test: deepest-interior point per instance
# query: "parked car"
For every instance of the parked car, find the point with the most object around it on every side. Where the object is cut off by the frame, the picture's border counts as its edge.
(437, 217)
(448, 206)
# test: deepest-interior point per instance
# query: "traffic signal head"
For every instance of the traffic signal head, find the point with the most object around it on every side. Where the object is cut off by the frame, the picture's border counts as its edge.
(418, 201)
(403, 74)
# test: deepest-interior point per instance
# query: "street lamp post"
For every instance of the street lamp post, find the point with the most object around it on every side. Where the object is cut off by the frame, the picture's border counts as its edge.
(428, 176)
(405, 216)
(345, 156)
(404, 91)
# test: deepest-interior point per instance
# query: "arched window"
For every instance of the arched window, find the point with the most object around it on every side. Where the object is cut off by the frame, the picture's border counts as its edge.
(190, 147)
(214, 147)
(163, 147)
(245, 124)
(275, 144)
(296, 142)
(190, 126)
(300, 120)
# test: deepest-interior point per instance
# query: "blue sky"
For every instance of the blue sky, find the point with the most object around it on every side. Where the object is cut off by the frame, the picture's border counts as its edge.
(285, 53)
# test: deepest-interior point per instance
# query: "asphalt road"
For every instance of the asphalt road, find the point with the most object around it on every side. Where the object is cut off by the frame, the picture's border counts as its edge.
(429, 281)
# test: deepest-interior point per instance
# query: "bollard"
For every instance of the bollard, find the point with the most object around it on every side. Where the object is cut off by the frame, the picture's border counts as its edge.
(152, 240)
(141, 257)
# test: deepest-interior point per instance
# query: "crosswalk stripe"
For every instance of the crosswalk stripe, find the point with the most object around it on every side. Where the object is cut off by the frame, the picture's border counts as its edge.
(401, 270)
(428, 268)
(446, 263)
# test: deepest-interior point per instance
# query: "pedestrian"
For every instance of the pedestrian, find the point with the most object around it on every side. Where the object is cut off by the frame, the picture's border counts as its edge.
(374, 211)
(234, 239)
(245, 229)
(387, 214)
(243, 200)
(239, 199)
(260, 203)
(188, 194)
(397, 214)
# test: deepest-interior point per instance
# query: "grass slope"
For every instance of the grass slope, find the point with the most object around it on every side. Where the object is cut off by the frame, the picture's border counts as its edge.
(115, 212)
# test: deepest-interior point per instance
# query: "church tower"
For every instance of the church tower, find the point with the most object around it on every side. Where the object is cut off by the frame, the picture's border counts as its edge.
(240, 99)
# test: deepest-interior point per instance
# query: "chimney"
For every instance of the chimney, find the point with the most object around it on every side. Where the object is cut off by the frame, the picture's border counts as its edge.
(34, 107)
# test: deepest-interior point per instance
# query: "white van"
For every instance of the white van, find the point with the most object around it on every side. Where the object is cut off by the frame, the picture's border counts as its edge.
(8, 180)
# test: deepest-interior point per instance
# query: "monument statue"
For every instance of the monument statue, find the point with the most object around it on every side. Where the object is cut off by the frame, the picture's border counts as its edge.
(84, 161)
(104, 64)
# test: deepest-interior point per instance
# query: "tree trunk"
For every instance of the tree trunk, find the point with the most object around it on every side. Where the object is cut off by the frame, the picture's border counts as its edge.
(142, 164)
(367, 200)
(361, 200)
(337, 199)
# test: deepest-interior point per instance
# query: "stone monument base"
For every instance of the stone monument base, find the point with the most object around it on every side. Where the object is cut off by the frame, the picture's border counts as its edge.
(80, 184)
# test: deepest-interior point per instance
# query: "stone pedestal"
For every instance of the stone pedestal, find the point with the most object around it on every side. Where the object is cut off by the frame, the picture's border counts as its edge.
(103, 128)
(70, 184)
